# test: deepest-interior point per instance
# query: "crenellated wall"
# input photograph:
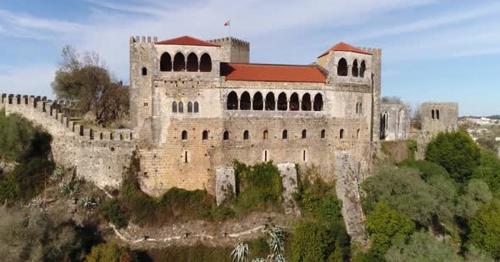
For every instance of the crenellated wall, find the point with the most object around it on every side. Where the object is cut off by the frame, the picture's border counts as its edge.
(100, 156)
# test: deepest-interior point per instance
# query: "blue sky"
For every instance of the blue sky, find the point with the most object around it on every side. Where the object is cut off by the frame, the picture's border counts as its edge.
(432, 50)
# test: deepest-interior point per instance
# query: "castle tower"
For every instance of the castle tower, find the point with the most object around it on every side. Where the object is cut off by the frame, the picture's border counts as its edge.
(233, 50)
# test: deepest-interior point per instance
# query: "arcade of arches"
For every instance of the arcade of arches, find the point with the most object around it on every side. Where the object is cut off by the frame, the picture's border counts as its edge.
(181, 63)
(257, 102)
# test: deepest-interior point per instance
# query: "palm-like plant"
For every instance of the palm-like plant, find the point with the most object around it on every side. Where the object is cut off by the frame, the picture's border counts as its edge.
(240, 252)
(276, 240)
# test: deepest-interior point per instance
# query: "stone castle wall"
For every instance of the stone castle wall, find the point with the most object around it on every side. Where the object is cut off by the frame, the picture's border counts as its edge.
(98, 156)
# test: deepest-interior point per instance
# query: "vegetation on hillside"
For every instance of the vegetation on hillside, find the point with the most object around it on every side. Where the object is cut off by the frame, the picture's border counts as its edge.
(29, 149)
(442, 209)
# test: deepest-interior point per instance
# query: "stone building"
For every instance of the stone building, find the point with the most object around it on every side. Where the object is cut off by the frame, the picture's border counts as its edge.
(198, 105)
(438, 117)
(394, 121)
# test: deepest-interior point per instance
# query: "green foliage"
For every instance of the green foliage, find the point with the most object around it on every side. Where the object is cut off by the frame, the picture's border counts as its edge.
(422, 247)
(485, 228)
(110, 252)
(30, 148)
(114, 213)
(412, 148)
(259, 187)
(321, 235)
(456, 152)
(427, 169)
(194, 253)
(489, 171)
(477, 193)
(403, 190)
(33, 236)
(386, 227)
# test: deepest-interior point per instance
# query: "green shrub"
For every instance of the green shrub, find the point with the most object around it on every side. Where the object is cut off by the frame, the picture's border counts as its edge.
(456, 152)
(427, 169)
(422, 246)
(386, 226)
(30, 148)
(259, 187)
(110, 252)
(113, 212)
(485, 228)
(412, 148)
(489, 171)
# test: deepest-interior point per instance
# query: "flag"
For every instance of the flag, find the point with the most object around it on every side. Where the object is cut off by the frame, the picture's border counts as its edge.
(227, 23)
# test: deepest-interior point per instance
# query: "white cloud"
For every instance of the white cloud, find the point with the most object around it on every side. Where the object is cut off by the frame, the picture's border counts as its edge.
(26, 21)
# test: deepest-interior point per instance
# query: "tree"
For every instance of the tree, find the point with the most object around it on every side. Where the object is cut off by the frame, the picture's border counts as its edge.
(485, 228)
(386, 227)
(89, 83)
(110, 252)
(489, 171)
(403, 190)
(456, 152)
(422, 247)
(477, 193)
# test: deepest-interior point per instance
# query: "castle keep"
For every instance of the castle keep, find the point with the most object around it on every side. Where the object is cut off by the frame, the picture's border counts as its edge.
(197, 105)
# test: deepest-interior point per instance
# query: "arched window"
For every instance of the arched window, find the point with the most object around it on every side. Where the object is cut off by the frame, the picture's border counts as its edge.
(181, 107)
(282, 103)
(355, 69)
(304, 134)
(258, 103)
(245, 103)
(265, 134)
(341, 135)
(144, 71)
(342, 67)
(323, 133)
(205, 63)
(190, 107)
(437, 113)
(174, 107)
(284, 134)
(225, 136)
(184, 135)
(179, 62)
(232, 101)
(246, 135)
(432, 113)
(294, 102)
(204, 135)
(270, 102)
(192, 63)
(196, 107)
(318, 102)
(362, 70)
(165, 62)
(306, 102)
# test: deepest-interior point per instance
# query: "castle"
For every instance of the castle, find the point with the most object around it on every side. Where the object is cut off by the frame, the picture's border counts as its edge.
(196, 106)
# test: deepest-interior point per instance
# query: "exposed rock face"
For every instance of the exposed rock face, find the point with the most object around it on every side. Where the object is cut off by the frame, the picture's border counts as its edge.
(225, 183)
(348, 174)
(289, 179)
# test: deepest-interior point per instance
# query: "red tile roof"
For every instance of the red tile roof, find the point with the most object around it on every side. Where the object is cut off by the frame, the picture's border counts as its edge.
(185, 40)
(272, 73)
(345, 48)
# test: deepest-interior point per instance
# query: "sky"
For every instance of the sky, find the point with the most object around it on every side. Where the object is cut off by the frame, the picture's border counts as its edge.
(433, 50)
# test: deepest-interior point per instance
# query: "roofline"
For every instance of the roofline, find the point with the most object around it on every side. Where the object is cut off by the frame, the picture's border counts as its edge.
(264, 64)
(276, 81)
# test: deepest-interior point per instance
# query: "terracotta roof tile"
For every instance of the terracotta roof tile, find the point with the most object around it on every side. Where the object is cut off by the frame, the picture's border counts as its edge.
(345, 48)
(272, 73)
(185, 40)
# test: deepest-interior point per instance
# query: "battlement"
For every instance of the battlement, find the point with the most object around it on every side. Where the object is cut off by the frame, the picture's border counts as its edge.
(232, 40)
(143, 39)
(42, 108)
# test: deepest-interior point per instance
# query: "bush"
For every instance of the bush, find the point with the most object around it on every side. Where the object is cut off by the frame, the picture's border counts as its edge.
(456, 152)
(489, 171)
(386, 227)
(422, 247)
(110, 252)
(259, 187)
(427, 169)
(113, 212)
(485, 228)
(30, 148)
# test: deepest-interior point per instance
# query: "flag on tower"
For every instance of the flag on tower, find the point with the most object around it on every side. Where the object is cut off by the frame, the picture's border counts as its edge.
(227, 23)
